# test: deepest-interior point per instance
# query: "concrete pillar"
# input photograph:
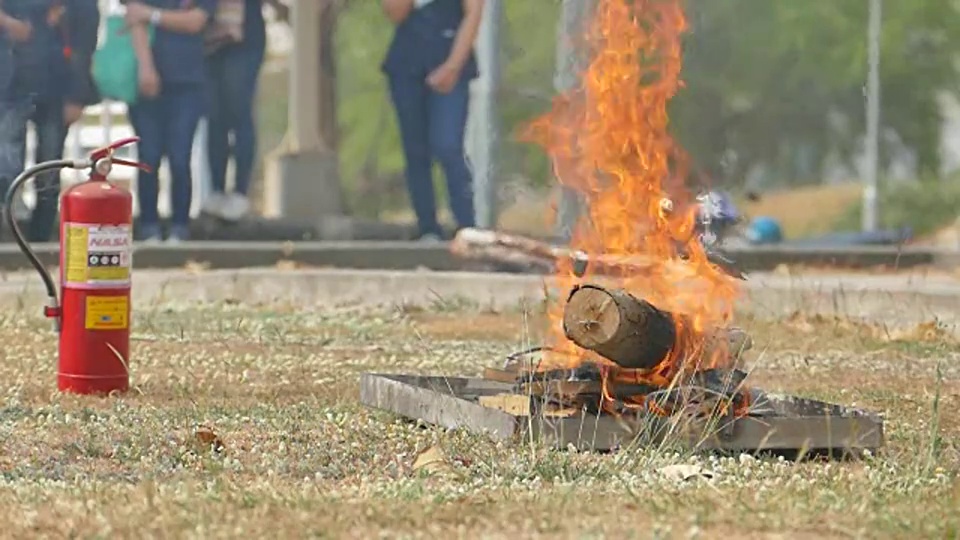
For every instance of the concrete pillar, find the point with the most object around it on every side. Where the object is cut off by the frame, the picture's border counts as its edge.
(484, 132)
(574, 20)
(302, 181)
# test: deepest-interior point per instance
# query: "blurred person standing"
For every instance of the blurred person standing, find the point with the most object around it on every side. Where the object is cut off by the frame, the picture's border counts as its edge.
(56, 72)
(14, 29)
(172, 77)
(429, 66)
(236, 48)
(47, 82)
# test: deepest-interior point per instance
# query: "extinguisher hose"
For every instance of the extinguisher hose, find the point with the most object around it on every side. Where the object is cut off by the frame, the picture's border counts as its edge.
(12, 222)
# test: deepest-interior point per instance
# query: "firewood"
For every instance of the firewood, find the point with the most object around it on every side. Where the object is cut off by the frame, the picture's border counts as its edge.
(515, 250)
(618, 326)
(533, 255)
(515, 404)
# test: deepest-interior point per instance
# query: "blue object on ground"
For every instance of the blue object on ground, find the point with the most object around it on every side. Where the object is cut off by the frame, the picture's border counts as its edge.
(764, 230)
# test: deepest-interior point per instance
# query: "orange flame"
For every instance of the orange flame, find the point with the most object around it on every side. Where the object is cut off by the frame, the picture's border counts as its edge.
(609, 140)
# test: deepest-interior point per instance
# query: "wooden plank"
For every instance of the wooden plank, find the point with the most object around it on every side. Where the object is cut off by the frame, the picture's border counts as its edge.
(514, 404)
(560, 389)
(500, 375)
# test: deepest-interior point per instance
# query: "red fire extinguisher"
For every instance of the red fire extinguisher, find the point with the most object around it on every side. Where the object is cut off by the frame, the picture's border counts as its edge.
(96, 240)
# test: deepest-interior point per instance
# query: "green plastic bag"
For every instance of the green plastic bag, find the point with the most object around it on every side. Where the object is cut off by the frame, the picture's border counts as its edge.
(115, 68)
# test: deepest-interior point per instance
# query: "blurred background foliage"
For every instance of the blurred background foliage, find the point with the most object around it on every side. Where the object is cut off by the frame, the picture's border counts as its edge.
(774, 100)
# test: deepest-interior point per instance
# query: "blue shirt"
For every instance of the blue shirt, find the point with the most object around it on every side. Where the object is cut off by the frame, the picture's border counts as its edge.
(179, 58)
(39, 67)
(423, 41)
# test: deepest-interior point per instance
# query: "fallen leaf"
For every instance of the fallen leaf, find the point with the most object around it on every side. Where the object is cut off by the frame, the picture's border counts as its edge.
(431, 460)
(682, 473)
(195, 267)
(286, 264)
(208, 439)
(799, 322)
(923, 332)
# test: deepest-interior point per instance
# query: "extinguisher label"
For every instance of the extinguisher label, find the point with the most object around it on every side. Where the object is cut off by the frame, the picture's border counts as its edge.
(97, 255)
(107, 313)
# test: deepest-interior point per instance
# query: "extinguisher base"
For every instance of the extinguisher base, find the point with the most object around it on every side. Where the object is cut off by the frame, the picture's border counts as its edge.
(87, 385)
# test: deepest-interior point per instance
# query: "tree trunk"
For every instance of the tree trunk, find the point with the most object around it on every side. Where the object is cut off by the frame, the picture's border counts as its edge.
(329, 125)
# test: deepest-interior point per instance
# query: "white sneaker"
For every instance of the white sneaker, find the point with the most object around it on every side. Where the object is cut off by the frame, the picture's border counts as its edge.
(151, 241)
(235, 207)
(214, 205)
(430, 238)
(21, 212)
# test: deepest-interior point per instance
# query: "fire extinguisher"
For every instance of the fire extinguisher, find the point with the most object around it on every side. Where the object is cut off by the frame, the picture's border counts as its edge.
(92, 317)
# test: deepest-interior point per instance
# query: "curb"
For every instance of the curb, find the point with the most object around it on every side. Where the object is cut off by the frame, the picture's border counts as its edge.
(410, 255)
(892, 299)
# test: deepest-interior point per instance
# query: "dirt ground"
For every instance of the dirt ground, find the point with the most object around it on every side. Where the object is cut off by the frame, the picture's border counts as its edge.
(276, 391)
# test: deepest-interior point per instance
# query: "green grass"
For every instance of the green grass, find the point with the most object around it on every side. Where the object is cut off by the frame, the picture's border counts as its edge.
(925, 207)
(301, 457)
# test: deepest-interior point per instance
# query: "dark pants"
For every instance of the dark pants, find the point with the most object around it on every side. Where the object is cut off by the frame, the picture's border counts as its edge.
(232, 84)
(13, 119)
(166, 127)
(47, 120)
(51, 132)
(432, 126)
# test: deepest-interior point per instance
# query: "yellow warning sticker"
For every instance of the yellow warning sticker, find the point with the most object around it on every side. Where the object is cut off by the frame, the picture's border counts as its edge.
(107, 312)
(76, 256)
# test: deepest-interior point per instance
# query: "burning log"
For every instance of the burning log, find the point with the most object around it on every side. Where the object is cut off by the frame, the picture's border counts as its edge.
(633, 333)
(618, 326)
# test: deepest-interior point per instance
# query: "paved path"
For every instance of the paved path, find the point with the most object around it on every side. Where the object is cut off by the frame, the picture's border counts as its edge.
(895, 299)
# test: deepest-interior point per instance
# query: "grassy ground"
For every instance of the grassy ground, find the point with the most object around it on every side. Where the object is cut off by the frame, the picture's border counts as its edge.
(301, 457)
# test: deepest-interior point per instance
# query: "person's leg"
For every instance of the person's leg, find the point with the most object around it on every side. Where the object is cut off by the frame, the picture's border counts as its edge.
(51, 134)
(13, 134)
(448, 124)
(146, 117)
(244, 74)
(218, 131)
(240, 73)
(183, 108)
(410, 101)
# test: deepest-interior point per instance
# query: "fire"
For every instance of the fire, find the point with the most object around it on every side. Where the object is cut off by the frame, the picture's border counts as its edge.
(610, 140)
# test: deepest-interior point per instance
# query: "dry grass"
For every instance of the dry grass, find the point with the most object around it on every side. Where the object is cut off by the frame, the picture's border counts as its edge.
(808, 210)
(302, 458)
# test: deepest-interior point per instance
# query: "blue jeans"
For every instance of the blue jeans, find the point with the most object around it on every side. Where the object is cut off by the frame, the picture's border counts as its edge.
(166, 127)
(47, 119)
(13, 121)
(432, 126)
(51, 133)
(232, 85)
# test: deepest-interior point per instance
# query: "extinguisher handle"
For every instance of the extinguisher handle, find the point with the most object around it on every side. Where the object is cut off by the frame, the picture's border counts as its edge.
(102, 159)
(142, 166)
(107, 151)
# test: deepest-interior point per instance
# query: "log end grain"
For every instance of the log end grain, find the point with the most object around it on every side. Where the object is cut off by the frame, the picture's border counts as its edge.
(591, 317)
